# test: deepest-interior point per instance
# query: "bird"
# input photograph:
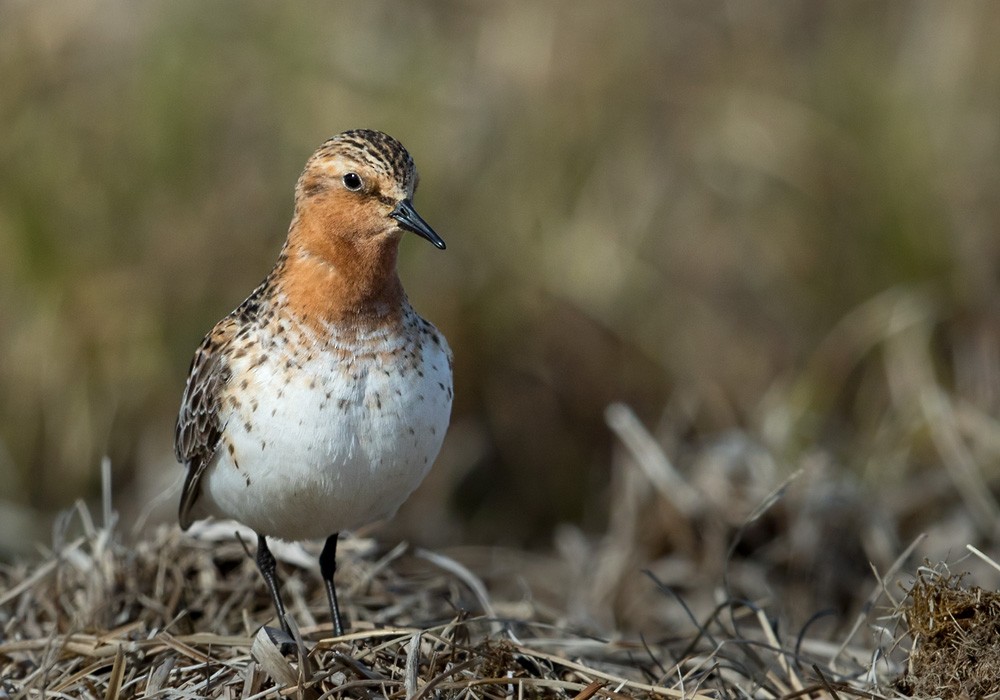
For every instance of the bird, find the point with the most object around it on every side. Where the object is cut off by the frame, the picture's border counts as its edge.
(320, 403)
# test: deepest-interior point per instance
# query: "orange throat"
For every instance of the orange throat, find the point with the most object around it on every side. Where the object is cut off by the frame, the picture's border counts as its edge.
(328, 277)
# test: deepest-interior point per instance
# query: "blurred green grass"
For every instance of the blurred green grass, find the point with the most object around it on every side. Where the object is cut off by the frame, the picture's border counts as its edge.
(673, 206)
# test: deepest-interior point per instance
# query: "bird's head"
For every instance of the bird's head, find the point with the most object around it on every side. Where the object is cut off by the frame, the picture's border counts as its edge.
(359, 186)
(353, 202)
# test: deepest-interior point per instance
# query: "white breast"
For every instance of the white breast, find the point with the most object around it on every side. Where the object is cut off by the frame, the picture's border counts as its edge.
(314, 447)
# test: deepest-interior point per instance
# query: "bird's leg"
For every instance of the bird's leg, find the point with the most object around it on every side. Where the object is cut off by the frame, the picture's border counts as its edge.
(328, 566)
(269, 570)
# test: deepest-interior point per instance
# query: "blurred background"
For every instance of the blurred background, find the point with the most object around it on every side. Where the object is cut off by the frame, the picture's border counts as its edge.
(765, 232)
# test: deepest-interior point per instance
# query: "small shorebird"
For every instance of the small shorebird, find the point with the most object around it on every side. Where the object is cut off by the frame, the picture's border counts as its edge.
(320, 403)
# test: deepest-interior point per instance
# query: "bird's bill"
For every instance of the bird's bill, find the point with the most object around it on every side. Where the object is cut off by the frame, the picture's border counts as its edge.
(410, 220)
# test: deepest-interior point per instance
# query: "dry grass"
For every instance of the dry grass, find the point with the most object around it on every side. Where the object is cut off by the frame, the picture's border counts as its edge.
(699, 587)
(732, 570)
(105, 615)
(174, 616)
(955, 631)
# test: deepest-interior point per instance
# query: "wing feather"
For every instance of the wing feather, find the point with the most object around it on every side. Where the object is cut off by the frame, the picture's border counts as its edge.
(199, 431)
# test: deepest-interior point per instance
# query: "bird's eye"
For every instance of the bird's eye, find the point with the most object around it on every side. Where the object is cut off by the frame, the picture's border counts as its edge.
(352, 181)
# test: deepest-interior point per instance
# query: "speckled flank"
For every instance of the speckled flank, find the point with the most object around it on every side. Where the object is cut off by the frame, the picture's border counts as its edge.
(321, 401)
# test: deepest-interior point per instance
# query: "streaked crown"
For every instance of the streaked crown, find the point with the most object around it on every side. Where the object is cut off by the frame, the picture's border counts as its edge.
(362, 149)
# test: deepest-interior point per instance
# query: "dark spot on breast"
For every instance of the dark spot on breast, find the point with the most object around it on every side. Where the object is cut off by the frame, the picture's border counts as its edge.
(378, 400)
(244, 384)
(229, 446)
(342, 404)
(263, 445)
(254, 405)
(434, 430)
(420, 373)
(312, 383)
(248, 427)
(411, 431)
(246, 477)
(441, 385)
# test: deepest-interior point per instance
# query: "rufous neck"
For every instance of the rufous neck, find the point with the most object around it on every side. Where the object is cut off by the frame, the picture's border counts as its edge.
(342, 277)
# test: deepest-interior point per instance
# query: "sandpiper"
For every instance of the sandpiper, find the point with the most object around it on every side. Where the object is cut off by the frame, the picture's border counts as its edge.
(320, 403)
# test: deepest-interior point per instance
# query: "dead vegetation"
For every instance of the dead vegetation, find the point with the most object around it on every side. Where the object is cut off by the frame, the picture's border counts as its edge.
(955, 631)
(104, 614)
(172, 616)
(726, 570)
(108, 614)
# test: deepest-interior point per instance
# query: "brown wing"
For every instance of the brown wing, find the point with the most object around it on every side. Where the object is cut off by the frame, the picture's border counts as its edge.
(198, 431)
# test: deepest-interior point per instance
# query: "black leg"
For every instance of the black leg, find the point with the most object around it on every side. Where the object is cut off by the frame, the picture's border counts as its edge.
(269, 570)
(328, 566)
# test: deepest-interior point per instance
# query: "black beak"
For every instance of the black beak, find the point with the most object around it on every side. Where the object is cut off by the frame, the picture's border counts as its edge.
(409, 219)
